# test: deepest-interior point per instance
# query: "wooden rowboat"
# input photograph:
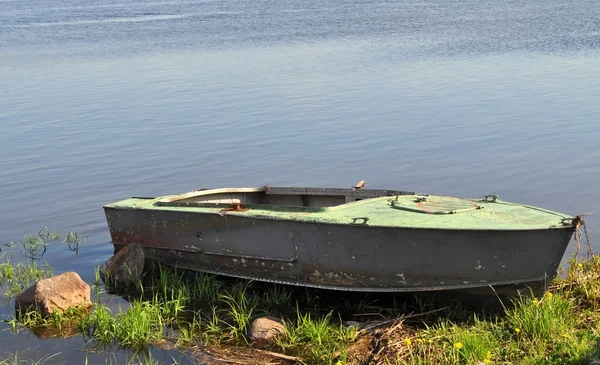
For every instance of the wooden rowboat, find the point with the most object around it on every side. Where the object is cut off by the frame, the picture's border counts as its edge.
(352, 239)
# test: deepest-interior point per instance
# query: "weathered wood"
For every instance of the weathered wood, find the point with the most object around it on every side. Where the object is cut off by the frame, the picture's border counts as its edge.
(196, 193)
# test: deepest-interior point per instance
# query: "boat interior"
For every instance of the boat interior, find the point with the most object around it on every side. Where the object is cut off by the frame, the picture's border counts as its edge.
(276, 196)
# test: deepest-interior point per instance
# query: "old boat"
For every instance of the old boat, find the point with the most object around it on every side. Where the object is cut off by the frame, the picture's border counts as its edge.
(353, 239)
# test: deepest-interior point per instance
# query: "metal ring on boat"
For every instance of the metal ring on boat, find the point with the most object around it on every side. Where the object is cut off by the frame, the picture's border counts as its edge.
(492, 198)
(364, 220)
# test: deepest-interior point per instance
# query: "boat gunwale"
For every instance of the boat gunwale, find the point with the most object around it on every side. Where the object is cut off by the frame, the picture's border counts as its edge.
(172, 203)
(232, 214)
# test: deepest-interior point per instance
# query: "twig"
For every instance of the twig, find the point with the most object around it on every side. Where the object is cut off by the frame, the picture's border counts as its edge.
(368, 315)
(401, 318)
(372, 326)
(426, 313)
(279, 356)
(221, 359)
(393, 328)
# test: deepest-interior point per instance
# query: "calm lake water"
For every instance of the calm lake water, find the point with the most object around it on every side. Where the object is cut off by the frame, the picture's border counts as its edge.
(104, 100)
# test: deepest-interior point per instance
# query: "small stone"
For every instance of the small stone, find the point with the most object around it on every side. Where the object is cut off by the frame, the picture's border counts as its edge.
(124, 268)
(263, 330)
(57, 293)
(352, 324)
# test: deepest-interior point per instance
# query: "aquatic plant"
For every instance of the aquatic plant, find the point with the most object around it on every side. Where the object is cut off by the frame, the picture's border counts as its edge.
(100, 325)
(14, 359)
(139, 325)
(15, 277)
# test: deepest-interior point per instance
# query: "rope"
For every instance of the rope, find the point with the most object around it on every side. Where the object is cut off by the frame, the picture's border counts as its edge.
(577, 234)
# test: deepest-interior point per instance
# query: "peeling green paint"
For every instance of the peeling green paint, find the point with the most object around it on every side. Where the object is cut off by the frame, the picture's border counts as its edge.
(439, 212)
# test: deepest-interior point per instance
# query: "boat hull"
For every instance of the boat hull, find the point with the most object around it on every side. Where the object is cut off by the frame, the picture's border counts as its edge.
(345, 257)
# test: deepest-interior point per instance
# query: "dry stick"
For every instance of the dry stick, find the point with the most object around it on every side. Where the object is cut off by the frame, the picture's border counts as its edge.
(393, 328)
(273, 354)
(223, 360)
(279, 356)
(401, 321)
(380, 324)
(426, 313)
(368, 315)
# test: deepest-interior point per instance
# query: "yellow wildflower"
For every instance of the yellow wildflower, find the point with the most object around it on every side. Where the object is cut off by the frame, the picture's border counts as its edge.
(430, 341)
(536, 301)
(549, 294)
(487, 361)
(407, 341)
(565, 335)
(517, 330)
(488, 355)
(419, 341)
(339, 363)
(458, 345)
(579, 265)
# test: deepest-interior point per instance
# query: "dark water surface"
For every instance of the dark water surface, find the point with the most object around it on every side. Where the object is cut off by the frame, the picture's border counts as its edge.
(104, 100)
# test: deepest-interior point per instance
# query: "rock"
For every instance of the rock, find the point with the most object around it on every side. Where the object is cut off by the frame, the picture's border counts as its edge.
(352, 324)
(594, 362)
(263, 330)
(57, 293)
(124, 268)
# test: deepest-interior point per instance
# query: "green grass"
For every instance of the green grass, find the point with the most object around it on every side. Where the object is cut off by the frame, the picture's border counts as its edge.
(140, 325)
(205, 288)
(212, 332)
(100, 325)
(60, 324)
(34, 246)
(277, 298)
(316, 340)
(189, 332)
(562, 327)
(239, 306)
(14, 359)
(20, 273)
(191, 308)
(15, 277)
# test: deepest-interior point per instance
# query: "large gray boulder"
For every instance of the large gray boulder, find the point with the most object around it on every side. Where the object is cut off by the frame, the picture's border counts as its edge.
(57, 293)
(125, 268)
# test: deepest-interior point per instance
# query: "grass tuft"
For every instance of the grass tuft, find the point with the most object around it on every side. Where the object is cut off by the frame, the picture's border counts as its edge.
(316, 340)
(100, 325)
(139, 326)
(15, 277)
(14, 359)
(239, 306)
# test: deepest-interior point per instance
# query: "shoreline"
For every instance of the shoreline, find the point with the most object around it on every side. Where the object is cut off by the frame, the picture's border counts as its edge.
(207, 318)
